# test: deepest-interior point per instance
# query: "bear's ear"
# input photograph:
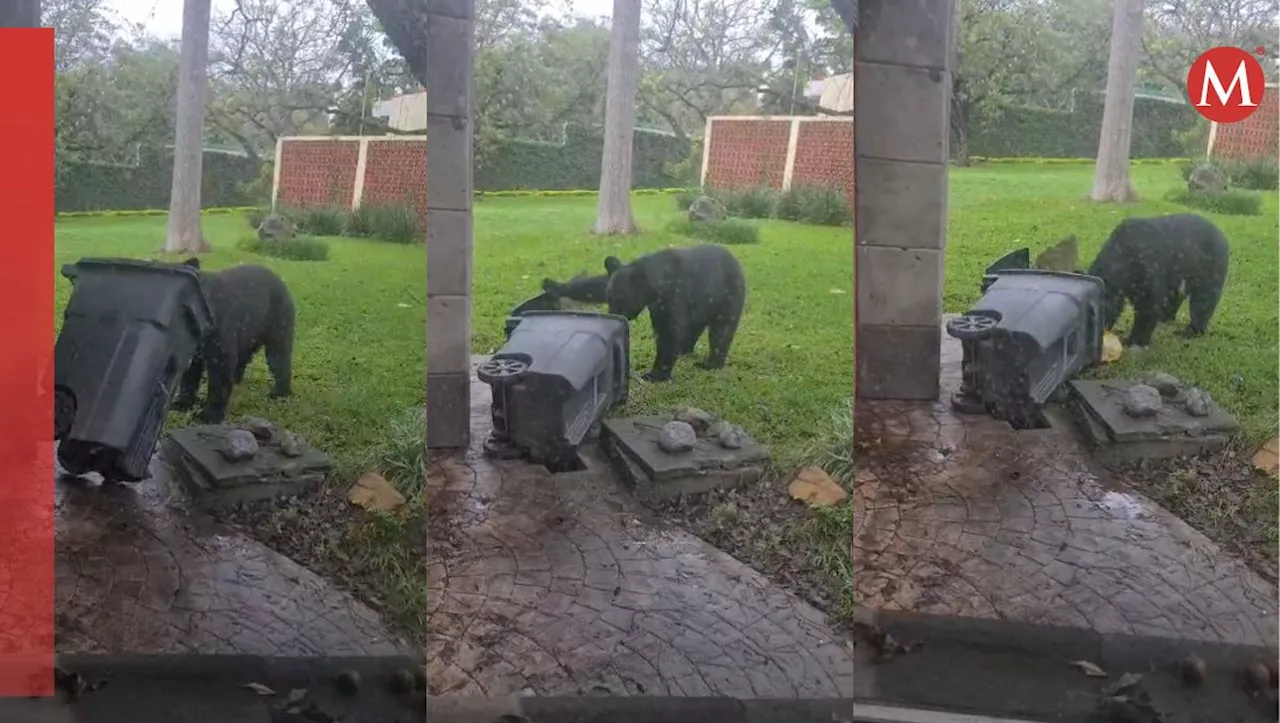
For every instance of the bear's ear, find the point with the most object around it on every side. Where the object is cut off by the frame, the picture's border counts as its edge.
(611, 265)
(193, 262)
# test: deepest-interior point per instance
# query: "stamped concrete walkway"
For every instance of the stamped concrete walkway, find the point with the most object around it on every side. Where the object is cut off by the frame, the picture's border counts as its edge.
(138, 572)
(960, 515)
(562, 585)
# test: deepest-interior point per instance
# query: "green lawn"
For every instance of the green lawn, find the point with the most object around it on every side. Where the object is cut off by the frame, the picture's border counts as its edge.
(995, 209)
(360, 346)
(791, 361)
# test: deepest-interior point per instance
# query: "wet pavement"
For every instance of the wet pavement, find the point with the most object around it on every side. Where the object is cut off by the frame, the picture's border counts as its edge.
(138, 571)
(960, 515)
(564, 585)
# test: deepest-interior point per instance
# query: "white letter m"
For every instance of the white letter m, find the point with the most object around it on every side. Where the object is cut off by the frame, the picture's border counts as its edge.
(1224, 94)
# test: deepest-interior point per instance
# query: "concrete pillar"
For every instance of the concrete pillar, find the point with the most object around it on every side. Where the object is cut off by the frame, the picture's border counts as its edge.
(449, 132)
(902, 92)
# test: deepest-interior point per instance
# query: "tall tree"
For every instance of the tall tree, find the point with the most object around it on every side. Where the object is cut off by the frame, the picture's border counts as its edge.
(188, 145)
(1111, 177)
(613, 211)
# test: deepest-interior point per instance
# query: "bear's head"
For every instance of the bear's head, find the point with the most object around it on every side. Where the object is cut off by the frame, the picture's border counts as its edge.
(629, 290)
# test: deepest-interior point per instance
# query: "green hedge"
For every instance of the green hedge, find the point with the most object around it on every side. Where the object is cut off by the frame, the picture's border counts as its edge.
(575, 164)
(1158, 131)
(95, 187)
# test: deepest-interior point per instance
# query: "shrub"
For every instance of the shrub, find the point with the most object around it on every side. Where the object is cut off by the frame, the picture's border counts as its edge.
(259, 189)
(757, 202)
(254, 217)
(397, 224)
(299, 248)
(789, 204)
(1232, 202)
(318, 220)
(1257, 175)
(360, 222)
(686, 197)
(731, 231)
(824, 206)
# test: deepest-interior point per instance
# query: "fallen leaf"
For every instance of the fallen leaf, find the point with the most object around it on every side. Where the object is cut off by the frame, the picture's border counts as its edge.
(837, 291)
(373, 492)
(1089, 669)
(815, 486)
(296, 695)
(1127, 682)
(259, 688)
(1267, 459)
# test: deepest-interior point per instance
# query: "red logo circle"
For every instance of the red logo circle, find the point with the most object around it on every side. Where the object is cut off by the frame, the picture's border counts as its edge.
(1225, 84)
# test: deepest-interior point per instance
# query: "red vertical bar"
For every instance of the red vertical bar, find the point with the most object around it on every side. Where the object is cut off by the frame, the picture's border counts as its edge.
(26, 411)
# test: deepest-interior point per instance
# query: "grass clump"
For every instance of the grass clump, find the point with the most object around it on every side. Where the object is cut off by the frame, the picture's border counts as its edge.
(396, 224)
(730, 231)
(1231, 202)
(823, 206)
(756, 202)
(255, 216)
(298, 248)
(814, 205)
(1255, 175)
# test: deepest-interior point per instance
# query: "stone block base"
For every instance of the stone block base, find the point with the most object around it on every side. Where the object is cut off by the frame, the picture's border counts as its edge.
(214, 481)
(448, 411)
(898, 362)
(631, 445)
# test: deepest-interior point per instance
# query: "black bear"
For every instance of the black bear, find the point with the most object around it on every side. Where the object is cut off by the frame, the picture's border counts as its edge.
(586, 289)
(687, 291)
(1153, 263)
(252, 310)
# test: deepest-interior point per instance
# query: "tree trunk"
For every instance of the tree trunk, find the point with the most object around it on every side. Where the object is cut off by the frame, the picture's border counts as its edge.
(1111, 177)
(613, 212)
(20, 14)
(188, 143)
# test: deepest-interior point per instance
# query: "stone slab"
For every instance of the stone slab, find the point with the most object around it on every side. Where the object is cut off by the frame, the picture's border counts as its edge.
(1103, 400)
(638, 437)
(193, 454)
(650, 491)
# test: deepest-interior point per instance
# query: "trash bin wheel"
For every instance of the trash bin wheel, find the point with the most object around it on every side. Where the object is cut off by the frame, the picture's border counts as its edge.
(499, 371)
(971, 327)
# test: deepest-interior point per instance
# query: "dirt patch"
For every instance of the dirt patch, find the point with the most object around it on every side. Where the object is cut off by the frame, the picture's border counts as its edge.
(349, 546)
(1222, 496)
(762, 527)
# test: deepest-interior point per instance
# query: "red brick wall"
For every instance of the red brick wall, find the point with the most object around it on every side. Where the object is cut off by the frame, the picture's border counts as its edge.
(1254, 138)
(395, 173)
(753, 151)
(824, 156)
(317, 173)
(747, 152)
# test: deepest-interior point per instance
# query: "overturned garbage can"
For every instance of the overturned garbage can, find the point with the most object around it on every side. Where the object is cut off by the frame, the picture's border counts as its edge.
(1030, 333)
(129, 331)
(553, 380)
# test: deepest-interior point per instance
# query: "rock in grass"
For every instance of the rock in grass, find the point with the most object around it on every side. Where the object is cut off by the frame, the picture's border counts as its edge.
(677, 437)
(701, 420)
(1142, 400)
(239, 445)
(1197, 402)
(706, 208)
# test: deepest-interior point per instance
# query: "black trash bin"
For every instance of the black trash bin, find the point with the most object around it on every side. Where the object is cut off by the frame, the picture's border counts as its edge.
(553, 380)
(1030, 333)
(541, 302)
(129, 332)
